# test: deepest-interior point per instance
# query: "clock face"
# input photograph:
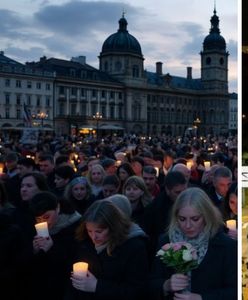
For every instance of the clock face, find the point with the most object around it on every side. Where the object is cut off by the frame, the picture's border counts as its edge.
(221, 60)
(208, 60)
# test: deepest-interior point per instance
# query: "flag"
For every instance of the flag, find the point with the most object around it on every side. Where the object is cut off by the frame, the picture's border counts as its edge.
(27, 116)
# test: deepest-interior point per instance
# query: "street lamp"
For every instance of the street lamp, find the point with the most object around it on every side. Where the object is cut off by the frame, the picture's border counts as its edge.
(41, 116)
(197, 122)
(97, 117)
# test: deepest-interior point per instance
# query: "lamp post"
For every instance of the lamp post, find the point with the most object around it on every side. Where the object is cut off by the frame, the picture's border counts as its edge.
(197, 122)
(42, 116)
(97, 117)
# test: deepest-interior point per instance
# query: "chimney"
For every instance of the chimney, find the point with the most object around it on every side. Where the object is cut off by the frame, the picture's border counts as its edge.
(189, 72)
(43, 59)
(159, 67)
(2, 52)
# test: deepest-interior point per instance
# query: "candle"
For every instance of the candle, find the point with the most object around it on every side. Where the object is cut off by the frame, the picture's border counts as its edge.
(1, 169)
(157, 171)
(42, 229)
(207, 165)
(80, 269)
(231, 224)
(189, 164)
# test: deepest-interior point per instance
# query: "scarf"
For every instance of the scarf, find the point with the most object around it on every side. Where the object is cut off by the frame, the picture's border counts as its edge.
(200, 243)
(64, 220)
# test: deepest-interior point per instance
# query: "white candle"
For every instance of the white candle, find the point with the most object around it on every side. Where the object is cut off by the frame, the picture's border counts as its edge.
(231, 224)
(157, 171)
(80, 269)
(189, 164)
(42, 229)
(207, 165)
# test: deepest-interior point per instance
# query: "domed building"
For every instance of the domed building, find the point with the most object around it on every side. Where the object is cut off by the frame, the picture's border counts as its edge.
(122, 97)
(121, 55)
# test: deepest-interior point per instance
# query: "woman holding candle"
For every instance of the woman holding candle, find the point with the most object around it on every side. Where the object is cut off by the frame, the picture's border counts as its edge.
(116, 253)
(197, 221)
(53, 254)
(231, 211)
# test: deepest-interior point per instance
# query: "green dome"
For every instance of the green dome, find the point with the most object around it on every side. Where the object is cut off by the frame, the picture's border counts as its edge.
(121, 41)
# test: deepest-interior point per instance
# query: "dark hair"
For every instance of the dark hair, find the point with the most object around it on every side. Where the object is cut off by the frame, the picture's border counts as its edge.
(150, 170)
(174, 178)
(111, 179)
(127, 167)
(65, 172)
(138, 159)
(106, 215)
(39, 178)
(42, 202)
(27, 162)
(46, 156)
(61, 159)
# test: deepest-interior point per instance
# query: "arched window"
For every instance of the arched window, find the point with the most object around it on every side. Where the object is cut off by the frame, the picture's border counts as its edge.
(135, 71)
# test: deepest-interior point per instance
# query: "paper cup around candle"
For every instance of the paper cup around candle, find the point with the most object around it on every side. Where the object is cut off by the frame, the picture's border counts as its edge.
(80, 269)
(42, 229)
(231, 224)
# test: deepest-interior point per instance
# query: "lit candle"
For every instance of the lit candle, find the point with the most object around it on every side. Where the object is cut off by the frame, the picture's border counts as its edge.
(207, 165)
(189, 164)
(42, 229)
(80, 269)
(1, 168)
(157, 171)
(231, 224)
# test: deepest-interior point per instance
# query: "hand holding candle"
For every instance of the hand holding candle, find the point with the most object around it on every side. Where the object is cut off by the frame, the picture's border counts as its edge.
(80, 269)
(42, 229)
(207, 165)
(231, 224)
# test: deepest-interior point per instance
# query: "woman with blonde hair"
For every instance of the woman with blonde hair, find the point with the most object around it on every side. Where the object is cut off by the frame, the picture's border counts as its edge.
(197, 221)
(95, 178)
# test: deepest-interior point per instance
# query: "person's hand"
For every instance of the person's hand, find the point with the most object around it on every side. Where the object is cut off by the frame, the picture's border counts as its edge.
(178, 282)
(187, 296)
(42, 243)
(86, 284)
(233, 233)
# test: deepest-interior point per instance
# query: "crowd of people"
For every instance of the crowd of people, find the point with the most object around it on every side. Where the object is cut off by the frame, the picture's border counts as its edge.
(113, 203)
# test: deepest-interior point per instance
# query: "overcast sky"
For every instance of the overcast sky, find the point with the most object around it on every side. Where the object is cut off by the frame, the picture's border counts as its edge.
(170, 31)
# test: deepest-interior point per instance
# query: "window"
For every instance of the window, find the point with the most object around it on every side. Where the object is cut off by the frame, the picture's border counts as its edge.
(18, 99)
(118, 66)
(29, 100)
(221, 60)
(48, 86)
(38, 85)
(18, 114)
(74, 91)
(104, 94)
(7, 99)
(18, 83)
(208, 60)
(94, 93)
(38, 101)
(47, 101)
(7, 82)
(29, 84)
(61, 90)
(112, 95)
(83, 92)
(135, 71)
(120, 95)
(7, 113)
(112, 112)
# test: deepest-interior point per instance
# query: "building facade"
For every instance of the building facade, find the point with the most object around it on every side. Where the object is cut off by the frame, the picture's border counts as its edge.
(121, 96)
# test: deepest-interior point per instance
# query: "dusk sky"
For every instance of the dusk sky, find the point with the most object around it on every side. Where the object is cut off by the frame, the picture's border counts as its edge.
(170, 31)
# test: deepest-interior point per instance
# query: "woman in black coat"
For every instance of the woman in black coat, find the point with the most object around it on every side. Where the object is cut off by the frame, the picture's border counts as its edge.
(197, 221)
(116, 253)
(53, 254)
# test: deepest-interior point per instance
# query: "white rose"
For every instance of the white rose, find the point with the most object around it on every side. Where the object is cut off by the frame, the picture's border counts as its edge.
(160, 252)
(187, 256)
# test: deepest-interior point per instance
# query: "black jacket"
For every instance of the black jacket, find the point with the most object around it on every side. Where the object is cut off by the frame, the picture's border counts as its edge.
(214, 279)
(122, 276)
